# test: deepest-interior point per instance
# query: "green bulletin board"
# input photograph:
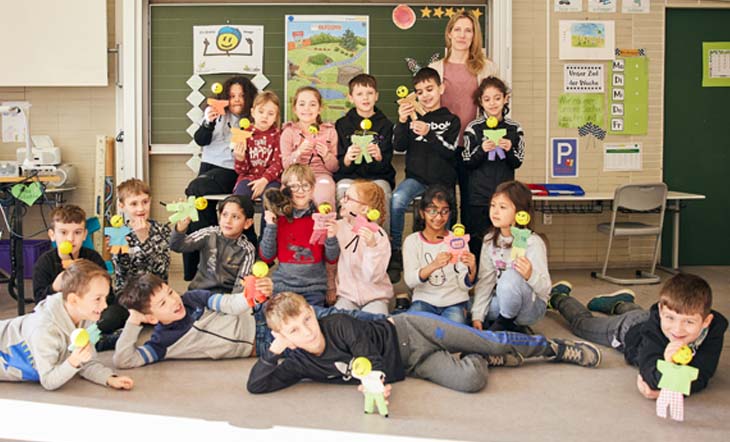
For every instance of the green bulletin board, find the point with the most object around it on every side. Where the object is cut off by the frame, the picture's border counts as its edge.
(171, 52)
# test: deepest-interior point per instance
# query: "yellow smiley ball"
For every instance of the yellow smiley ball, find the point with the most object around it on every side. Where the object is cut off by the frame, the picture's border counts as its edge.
(522, 218)
(65, 248)
(201, 203)
(217, 88)
(492, 122)
(324, 208)
(682, 356)
(459, 230)
(366, 124)
(373, 214)
(401, 92)
(244, 124)
(361, 366)
(80, 337)
(313, 130)
(117, 221)
(260, 269)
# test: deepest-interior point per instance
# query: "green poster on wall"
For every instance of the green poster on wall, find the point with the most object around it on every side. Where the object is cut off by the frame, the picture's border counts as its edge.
(575, 110)
(629, 109)
(716, 64)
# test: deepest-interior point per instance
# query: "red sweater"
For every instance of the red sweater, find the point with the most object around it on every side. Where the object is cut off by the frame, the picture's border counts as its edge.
(263, 158)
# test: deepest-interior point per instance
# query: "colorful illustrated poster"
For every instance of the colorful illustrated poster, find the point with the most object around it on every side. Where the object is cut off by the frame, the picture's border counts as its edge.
(629, 100)
(575, 110)
(602, 5)
(586, 40)
(568, 5)
(324, 51)
(233, 49)
(635, 6)
(716, 64)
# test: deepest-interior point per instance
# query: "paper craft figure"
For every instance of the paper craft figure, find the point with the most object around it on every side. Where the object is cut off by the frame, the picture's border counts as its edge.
(362, 142)
(117, 234)
(405, 97)
(520, 234)
(458, 242)
(219, 106)
(675, 384)
(253, 296)
(243, 134)
(373, 383)
(80, 337)
(495, 135)
(366, 222)
(319, 232)
(65, 249)
(185, 209)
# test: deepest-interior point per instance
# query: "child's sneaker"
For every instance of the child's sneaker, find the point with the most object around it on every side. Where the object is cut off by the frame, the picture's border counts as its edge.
(505, 360)
(395, 266)
(560, 288)
(402, 302)
(607, 303)
(580, 353)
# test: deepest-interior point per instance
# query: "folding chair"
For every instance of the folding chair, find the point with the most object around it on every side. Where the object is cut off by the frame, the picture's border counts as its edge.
(635, 198)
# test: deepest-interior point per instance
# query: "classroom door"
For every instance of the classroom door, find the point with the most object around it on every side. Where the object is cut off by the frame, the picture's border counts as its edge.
(696, 138)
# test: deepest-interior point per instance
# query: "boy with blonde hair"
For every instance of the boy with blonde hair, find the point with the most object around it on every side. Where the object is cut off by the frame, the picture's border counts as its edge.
(149, 241)
(421, 345)
(35, 347)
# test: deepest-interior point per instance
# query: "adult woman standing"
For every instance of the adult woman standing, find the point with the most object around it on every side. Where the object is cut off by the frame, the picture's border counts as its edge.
(464, 67)
(216, 174)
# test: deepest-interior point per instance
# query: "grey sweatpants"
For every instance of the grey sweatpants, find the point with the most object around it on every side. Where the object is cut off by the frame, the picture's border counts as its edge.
(605, 330)
(427, 342)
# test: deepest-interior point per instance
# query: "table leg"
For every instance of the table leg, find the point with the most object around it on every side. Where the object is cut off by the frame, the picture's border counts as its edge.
(16, 250)
(674, 208)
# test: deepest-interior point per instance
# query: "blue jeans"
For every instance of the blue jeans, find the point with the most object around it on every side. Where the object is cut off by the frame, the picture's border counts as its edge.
(242, 188)
(456, 312)
(264, 338)
(513, 299)
(404, 193)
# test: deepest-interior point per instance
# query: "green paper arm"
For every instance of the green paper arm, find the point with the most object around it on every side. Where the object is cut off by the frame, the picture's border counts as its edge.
(183, 210)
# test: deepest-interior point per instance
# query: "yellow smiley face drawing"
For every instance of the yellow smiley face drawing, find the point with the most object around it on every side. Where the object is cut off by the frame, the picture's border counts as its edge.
(228, 38)
(401, 92)
(522, 218)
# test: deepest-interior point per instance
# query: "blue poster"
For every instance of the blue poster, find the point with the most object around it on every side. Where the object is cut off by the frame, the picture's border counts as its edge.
(564, 157)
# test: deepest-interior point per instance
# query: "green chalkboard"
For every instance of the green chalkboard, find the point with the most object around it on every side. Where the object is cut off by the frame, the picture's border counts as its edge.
(171, 52)
(696, 141)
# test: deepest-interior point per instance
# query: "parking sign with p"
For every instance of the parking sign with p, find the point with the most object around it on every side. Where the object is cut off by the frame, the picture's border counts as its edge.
(564, 157)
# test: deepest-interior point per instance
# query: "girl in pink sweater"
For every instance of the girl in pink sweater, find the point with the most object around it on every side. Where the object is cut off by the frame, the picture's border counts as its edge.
(362, 280)
(309, 141)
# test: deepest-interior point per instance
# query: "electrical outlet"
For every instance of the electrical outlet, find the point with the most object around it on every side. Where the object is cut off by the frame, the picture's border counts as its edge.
(547, 218)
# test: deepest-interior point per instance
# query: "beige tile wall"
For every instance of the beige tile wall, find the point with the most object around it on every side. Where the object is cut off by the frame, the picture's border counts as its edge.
(72, 117)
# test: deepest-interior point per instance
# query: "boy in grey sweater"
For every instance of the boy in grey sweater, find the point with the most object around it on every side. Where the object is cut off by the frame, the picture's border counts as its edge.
(35, 347)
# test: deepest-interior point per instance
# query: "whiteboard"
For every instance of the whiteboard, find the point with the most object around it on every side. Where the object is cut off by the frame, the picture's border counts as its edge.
(53, 43)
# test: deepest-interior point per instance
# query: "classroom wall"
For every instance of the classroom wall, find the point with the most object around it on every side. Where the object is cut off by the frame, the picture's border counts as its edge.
(573, 240)
(72, 117)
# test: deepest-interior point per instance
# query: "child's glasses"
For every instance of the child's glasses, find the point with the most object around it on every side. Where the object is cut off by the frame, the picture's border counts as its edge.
(433, 211)
(305, 187)
(346, 198)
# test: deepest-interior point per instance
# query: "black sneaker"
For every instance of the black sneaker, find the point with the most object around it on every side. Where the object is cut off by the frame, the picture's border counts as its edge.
(580, 353)
(395, 266)
(505, 360)
(402, 302)
(108, 341)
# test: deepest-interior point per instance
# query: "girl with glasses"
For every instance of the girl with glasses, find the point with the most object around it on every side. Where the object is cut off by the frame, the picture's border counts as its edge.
(362, 280)
(439, 279)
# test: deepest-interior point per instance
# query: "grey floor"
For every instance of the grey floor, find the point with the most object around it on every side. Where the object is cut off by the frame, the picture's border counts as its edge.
(539, 401)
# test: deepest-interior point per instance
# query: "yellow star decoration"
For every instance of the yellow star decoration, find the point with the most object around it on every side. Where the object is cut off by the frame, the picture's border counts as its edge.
(425, 12)
(477, 13)
(449, 12)
(438, 12)
(460, 11)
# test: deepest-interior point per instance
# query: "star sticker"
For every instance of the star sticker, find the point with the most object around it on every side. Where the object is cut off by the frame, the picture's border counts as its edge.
(477, 13)
(438, 12)
(449, 12)
(425, 12)
(460, 11)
